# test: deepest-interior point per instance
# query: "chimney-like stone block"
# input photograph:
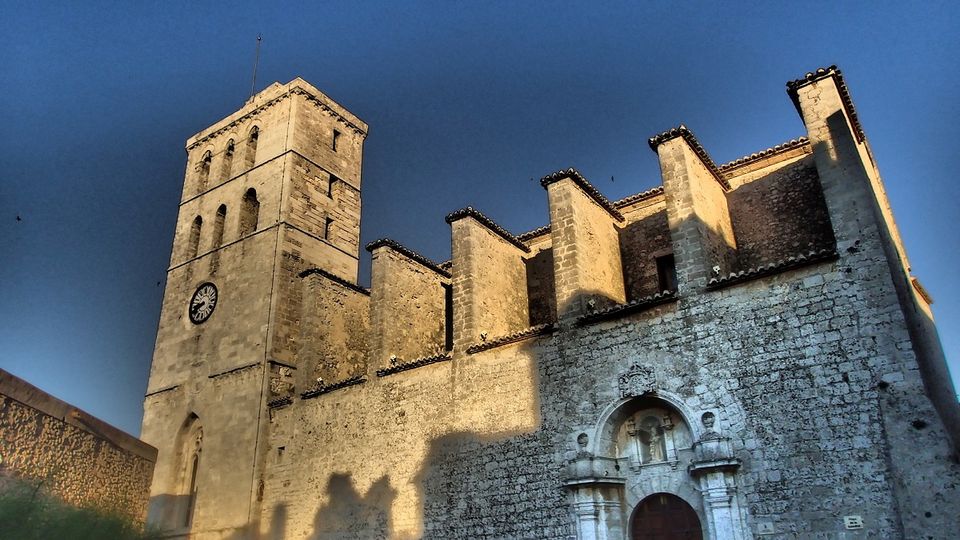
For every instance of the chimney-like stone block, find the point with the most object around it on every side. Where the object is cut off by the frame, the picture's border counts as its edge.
(588, 273)
(407, 305)
(489, 280)
(697, 213)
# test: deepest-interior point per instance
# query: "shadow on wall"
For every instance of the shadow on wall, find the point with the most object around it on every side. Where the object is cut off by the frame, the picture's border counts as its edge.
(351, 516)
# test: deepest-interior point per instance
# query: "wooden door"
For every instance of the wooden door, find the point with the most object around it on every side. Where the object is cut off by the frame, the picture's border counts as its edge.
(662, 516)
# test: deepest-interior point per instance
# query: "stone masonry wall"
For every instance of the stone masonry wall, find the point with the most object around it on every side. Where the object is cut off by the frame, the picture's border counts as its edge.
(489, 283)
(793, 382)
(780, 214)
(334, 333)
(645, 237)
(75, 456)
(405, 290)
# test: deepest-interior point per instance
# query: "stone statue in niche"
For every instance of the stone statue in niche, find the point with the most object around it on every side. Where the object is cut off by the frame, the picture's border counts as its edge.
(637, 381)
(651, 440)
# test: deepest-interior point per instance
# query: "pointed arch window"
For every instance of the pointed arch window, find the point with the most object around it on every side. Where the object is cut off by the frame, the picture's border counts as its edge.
(250, 154)
(249, 212)
(190, 446)
(227, 165)
(193, 242)
(218, 226)
(203, 170)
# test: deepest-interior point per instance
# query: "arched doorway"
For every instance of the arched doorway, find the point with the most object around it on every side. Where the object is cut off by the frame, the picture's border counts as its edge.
(663, 516)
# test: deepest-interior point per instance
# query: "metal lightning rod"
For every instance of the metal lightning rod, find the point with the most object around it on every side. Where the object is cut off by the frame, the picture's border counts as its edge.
(256, 63)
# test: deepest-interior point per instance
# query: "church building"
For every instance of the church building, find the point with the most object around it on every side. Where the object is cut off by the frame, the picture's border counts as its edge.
(739, 353)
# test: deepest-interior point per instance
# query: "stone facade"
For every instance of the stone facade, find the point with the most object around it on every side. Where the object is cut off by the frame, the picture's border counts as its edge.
(740, 353)
(78, 458)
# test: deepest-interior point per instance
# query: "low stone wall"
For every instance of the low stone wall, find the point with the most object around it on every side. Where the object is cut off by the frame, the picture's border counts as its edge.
(77, 457)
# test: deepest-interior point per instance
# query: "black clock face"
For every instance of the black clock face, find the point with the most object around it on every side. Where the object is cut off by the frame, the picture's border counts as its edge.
(203, 302)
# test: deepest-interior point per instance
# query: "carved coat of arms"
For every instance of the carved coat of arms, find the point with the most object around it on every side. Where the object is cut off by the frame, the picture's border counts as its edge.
(638, 380)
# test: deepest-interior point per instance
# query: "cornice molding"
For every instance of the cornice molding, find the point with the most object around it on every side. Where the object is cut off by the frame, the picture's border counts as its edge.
(633, 306)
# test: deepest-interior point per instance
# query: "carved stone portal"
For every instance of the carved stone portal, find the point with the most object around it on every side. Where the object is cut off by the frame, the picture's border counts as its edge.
(637, 381)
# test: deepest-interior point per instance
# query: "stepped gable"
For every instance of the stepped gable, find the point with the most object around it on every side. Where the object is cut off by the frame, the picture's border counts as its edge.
(409, 253)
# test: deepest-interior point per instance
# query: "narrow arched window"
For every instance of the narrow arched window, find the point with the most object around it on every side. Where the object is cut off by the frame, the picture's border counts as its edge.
(250, 154)
(189, 446)
(249, 212)
(218, 226)
(203, 170)
(193, 242)
(227, 166)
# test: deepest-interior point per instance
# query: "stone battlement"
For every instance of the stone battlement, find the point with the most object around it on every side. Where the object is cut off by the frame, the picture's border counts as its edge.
(773, 207)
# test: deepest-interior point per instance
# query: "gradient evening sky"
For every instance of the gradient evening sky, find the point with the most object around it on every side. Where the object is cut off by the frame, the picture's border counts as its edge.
(468, 104)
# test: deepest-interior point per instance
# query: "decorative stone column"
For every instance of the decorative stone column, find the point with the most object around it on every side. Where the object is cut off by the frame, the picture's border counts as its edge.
(715, 467)
(597, 490)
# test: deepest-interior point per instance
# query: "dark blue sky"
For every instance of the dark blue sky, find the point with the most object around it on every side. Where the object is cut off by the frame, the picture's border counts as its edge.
(467, 102)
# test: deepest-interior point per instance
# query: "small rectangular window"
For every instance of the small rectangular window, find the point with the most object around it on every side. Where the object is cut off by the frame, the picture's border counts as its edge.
(333, 180)
(666, 273)
(327, 229)
(448, 316)
(336, 137)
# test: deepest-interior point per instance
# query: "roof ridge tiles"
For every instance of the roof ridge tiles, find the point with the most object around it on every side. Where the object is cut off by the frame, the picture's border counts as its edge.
(636, 197)
(514, 337)
(335, 278)
(781, 265)
(470, 211)
(822, 73)
(684, 132)
(419, 362)
(409, 253)
(586, 186)
(767, 152)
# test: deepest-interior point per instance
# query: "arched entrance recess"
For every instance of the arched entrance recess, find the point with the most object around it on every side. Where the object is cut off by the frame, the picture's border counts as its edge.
(663, 516)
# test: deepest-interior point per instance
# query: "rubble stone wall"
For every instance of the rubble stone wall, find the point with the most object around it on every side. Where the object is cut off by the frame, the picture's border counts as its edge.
(75, 456)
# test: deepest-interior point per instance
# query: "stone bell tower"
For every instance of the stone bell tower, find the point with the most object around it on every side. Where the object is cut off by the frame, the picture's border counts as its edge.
(269, 191)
